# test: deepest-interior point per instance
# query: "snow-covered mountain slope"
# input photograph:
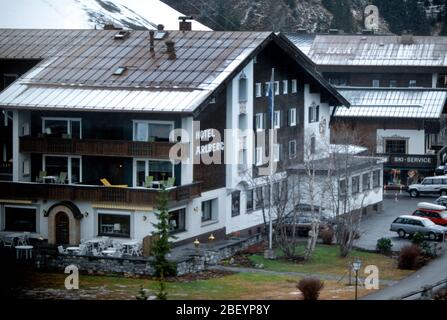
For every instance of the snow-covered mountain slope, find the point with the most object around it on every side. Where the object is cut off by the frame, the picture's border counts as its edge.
(88, 14)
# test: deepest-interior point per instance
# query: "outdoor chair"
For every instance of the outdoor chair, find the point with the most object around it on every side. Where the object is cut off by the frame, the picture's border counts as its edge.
(118, 254)
(8, 242)
(95, 252)
(136, 251)
(62, 178)
(21, 240)
(106, 183)
(170, 182)
(82, 250)
(148, 182)
(61, 250)
(40, 177)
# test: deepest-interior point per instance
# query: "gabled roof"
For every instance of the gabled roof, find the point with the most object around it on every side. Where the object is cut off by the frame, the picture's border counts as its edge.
(393, 103)
(373, 50)
(80, 74)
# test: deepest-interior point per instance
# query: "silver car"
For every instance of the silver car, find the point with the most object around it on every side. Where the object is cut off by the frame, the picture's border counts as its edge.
(409, 225)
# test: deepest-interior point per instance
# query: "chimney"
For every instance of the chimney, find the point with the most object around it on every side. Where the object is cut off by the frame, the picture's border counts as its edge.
(301, 31)
(185, 25)
(368, 31)
(170, 49)
(151, 40)
(407, 39)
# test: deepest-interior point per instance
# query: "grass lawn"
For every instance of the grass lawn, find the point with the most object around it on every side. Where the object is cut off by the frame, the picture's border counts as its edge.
(238, 286)
(326, 260)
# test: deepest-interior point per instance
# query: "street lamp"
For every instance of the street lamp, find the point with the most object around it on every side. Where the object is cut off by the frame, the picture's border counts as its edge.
(356, 265)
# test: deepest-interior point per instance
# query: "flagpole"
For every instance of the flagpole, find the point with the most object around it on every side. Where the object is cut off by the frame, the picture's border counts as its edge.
(272, 158)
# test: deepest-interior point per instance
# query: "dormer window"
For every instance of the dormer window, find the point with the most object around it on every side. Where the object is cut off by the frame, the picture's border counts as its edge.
(243, 88)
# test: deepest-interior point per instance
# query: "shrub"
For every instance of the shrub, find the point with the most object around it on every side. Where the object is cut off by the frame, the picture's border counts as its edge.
(384, 245)
(418, 238)
(310, 288)
(327, 235)
(409, 257)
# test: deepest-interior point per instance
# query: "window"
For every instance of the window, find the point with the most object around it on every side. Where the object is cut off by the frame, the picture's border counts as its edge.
(396, 146)
(235, 203)
(58, 166)
(243, 88)
(276, 152)
(177, 220)
(159, 170)
(292, 149)
(152, 131)
(393, 83)
(114, 225)
(292, 117)
(342, 188)
(258, 156)
(355, 185)
(259, 121)
(314, 113)
(412, 83)
(249, 201)
(285, 86)
(267, 88)
(376, 179)
(376, 83)
(313, 146)
(277, 120)
(258, 90)
(20, 219)
(62, 127)
(26, 168)
(294, 86)
(276, 88)
(366, 182)
(208, 210)
(428, 181)
(258, 200)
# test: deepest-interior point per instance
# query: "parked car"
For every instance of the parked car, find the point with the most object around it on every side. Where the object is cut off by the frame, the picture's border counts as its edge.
(434, 212)
(409, 225)
(430, 185)
(442, 201)
(442, 169)
(303, 221)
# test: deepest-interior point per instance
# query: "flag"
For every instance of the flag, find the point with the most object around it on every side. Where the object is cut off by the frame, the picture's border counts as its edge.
(271, 94)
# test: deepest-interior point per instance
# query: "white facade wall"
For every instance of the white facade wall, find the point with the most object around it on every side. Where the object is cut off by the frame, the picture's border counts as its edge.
(319, 129)
(416, 139)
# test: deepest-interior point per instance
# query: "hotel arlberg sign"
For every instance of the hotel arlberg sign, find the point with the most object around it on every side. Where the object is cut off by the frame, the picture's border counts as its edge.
(208, 147)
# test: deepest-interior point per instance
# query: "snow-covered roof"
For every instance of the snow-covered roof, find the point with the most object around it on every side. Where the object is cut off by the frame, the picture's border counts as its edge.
(419, 103)
(88, 14)
(373, 50)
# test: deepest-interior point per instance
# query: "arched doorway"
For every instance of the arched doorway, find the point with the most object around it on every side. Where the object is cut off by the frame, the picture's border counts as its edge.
(62, 224)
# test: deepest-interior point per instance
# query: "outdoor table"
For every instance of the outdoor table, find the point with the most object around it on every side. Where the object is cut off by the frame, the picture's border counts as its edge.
(72, 250)
(109, 252)
(28, 250)
(128, 245)
(52, 179)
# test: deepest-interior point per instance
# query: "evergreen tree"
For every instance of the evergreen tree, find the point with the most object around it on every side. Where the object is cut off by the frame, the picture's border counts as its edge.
(162, 245)
(342, 15)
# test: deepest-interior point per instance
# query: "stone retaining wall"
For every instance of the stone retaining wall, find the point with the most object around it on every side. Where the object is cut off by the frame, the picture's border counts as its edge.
(142, 266)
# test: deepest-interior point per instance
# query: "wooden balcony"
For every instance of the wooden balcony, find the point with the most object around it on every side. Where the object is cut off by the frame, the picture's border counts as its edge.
(93, 147)
(115, 195)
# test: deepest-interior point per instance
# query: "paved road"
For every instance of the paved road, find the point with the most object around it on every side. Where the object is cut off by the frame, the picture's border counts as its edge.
(376, 226)
(434, 272)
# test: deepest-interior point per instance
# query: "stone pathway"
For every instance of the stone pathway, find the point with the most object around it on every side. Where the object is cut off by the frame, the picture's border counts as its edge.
(291, 273)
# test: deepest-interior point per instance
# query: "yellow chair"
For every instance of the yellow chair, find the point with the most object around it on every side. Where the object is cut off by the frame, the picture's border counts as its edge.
(106, 183)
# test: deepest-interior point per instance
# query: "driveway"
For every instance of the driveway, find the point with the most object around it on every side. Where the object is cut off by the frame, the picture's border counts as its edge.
(376, 226)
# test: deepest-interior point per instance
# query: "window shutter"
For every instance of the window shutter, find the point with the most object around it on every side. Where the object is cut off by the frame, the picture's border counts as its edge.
(264, 118)
(289, 118)
(310, 115)
(317, 111)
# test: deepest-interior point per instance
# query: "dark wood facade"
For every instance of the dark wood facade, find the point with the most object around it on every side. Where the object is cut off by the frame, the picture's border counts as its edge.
(115, 195)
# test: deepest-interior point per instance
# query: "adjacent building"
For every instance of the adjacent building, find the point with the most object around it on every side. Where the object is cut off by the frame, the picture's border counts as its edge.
(397, 89)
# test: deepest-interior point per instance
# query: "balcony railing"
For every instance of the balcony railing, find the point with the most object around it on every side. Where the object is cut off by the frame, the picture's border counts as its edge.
(116, 195)
(93, 147)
